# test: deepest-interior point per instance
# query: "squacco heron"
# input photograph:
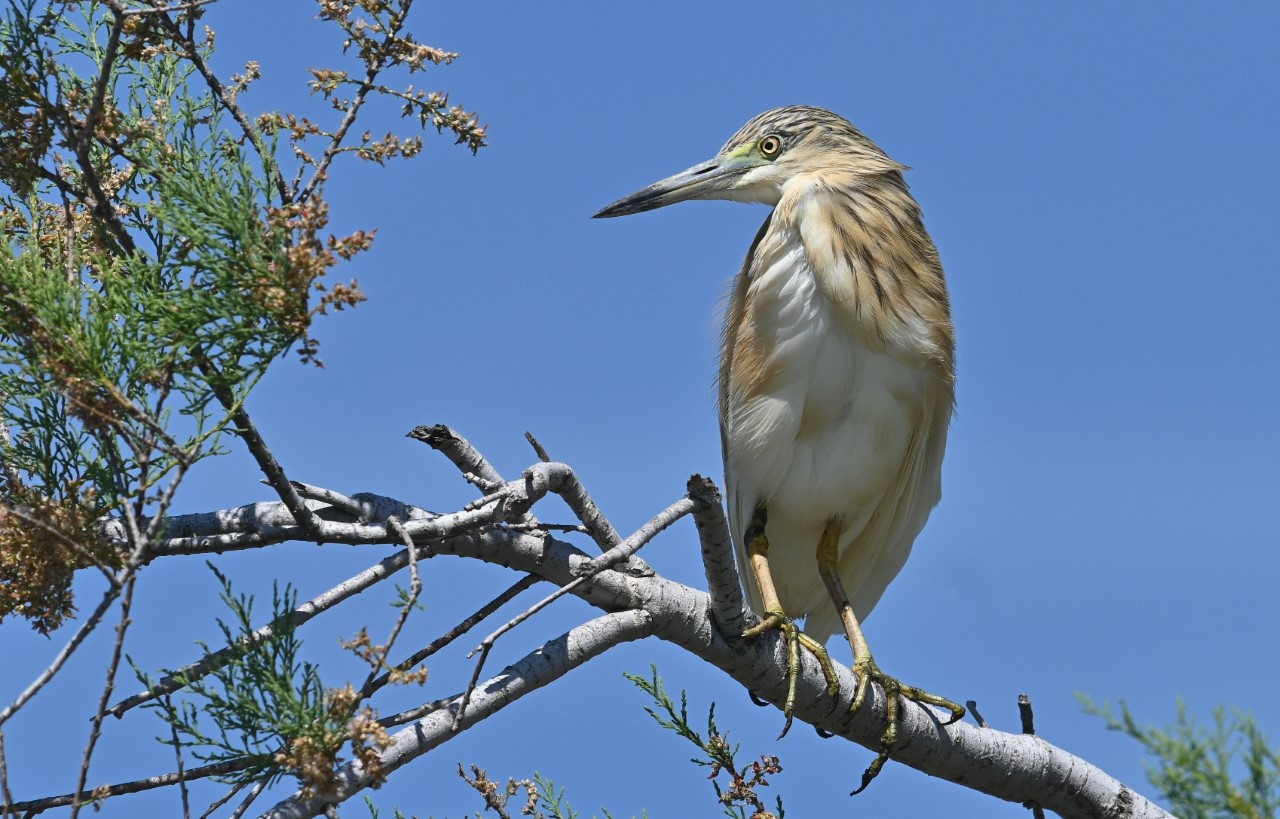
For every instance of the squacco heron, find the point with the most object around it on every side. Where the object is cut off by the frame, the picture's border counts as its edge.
(837, 381)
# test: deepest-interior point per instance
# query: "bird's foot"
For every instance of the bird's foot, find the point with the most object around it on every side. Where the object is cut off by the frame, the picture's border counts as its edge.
(778, 620)
(869, 672)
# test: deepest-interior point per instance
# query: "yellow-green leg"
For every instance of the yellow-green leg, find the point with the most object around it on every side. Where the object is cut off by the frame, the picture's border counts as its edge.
(864, 665)
(776, 618)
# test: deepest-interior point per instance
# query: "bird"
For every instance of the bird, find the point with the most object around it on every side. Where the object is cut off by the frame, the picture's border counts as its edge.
(836, 382)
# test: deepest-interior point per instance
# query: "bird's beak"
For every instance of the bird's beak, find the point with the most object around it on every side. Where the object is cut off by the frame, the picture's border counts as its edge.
(708, 180)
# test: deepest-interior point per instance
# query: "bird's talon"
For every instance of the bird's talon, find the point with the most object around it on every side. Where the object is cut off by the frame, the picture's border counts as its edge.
(867, 671)
(778, 620)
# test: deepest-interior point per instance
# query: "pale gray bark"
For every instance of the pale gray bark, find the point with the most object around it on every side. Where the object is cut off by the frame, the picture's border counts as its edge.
(1013, 767)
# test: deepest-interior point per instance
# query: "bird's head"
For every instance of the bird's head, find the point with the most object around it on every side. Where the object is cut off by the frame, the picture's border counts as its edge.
(774, 148)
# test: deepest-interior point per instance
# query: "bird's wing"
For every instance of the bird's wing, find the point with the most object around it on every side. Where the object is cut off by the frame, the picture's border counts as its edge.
(740, 509)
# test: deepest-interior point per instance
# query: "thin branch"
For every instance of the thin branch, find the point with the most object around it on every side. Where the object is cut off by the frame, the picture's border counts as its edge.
(60, 660)
(464, 456)
(195, 4)
(526, 582)
(415, 590)
(206, 665)
(224, 799)
(356, 508)
(585, 572)
(486, 645)
(6, 796)
(33, 806)
(250, 798)
(270, 466)
(537, 448)
(417, 712)
(548, 663)
(1029, 728)
(972, 706)
(643, 535)
(373, 67)
(95, 732)
(248, 433)
(181, 763)
(1026, 715)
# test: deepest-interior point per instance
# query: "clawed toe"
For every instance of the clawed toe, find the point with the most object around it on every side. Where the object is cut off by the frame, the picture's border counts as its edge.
(778, 620)
(868, 672)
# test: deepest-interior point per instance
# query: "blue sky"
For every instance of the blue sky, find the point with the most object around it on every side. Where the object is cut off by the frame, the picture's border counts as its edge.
(1100, 180)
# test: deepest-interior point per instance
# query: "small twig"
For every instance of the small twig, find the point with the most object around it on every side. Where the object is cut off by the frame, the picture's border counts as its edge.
(1024, 712)
(126, 603)
(373, 66)
(1029, 728)
(258, 788)
(416, 713)
(222, 800)
(60, 660)
(33, 806)
(357, 509)
(267, 462)
(486, 645)
(527, 582)
(6, 796)
(480, 483)
(465, 457)
(177, 752)
(485, 500)
(586, 571)
(415, 590)
(212, 662)
(537, 448)
(166, 9)
(972, 705)
(643, 535)
(162, 505)
(492, 794)
(576, 528)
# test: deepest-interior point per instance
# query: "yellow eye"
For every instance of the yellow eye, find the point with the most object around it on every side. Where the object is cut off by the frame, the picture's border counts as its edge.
(770, 146)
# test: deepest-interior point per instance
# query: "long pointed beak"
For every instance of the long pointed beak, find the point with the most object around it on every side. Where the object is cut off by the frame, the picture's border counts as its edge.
(707, 180)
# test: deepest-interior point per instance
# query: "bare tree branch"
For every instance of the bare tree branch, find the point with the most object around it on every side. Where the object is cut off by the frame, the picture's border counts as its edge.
(206, 665)
(1011, 767)
(548, 663)
(34, 806)
(728, 607)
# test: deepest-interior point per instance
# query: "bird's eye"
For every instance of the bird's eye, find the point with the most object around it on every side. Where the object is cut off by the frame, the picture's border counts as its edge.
(770, 146)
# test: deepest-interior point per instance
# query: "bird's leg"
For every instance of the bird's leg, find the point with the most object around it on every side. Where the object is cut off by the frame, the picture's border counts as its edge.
(864, 665)
(776, 618)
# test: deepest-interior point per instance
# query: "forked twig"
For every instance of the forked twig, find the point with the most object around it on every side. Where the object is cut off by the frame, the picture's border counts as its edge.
(206, 665)
(526, 582)
(585, 572)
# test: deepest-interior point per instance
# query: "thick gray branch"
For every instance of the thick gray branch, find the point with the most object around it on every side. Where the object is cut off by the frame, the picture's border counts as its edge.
(1013, 767)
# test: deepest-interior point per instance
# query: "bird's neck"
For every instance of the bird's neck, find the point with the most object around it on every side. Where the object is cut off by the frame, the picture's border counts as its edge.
(866, 245)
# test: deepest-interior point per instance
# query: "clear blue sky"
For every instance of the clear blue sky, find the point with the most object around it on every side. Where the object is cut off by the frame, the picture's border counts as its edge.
(1101, 182)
